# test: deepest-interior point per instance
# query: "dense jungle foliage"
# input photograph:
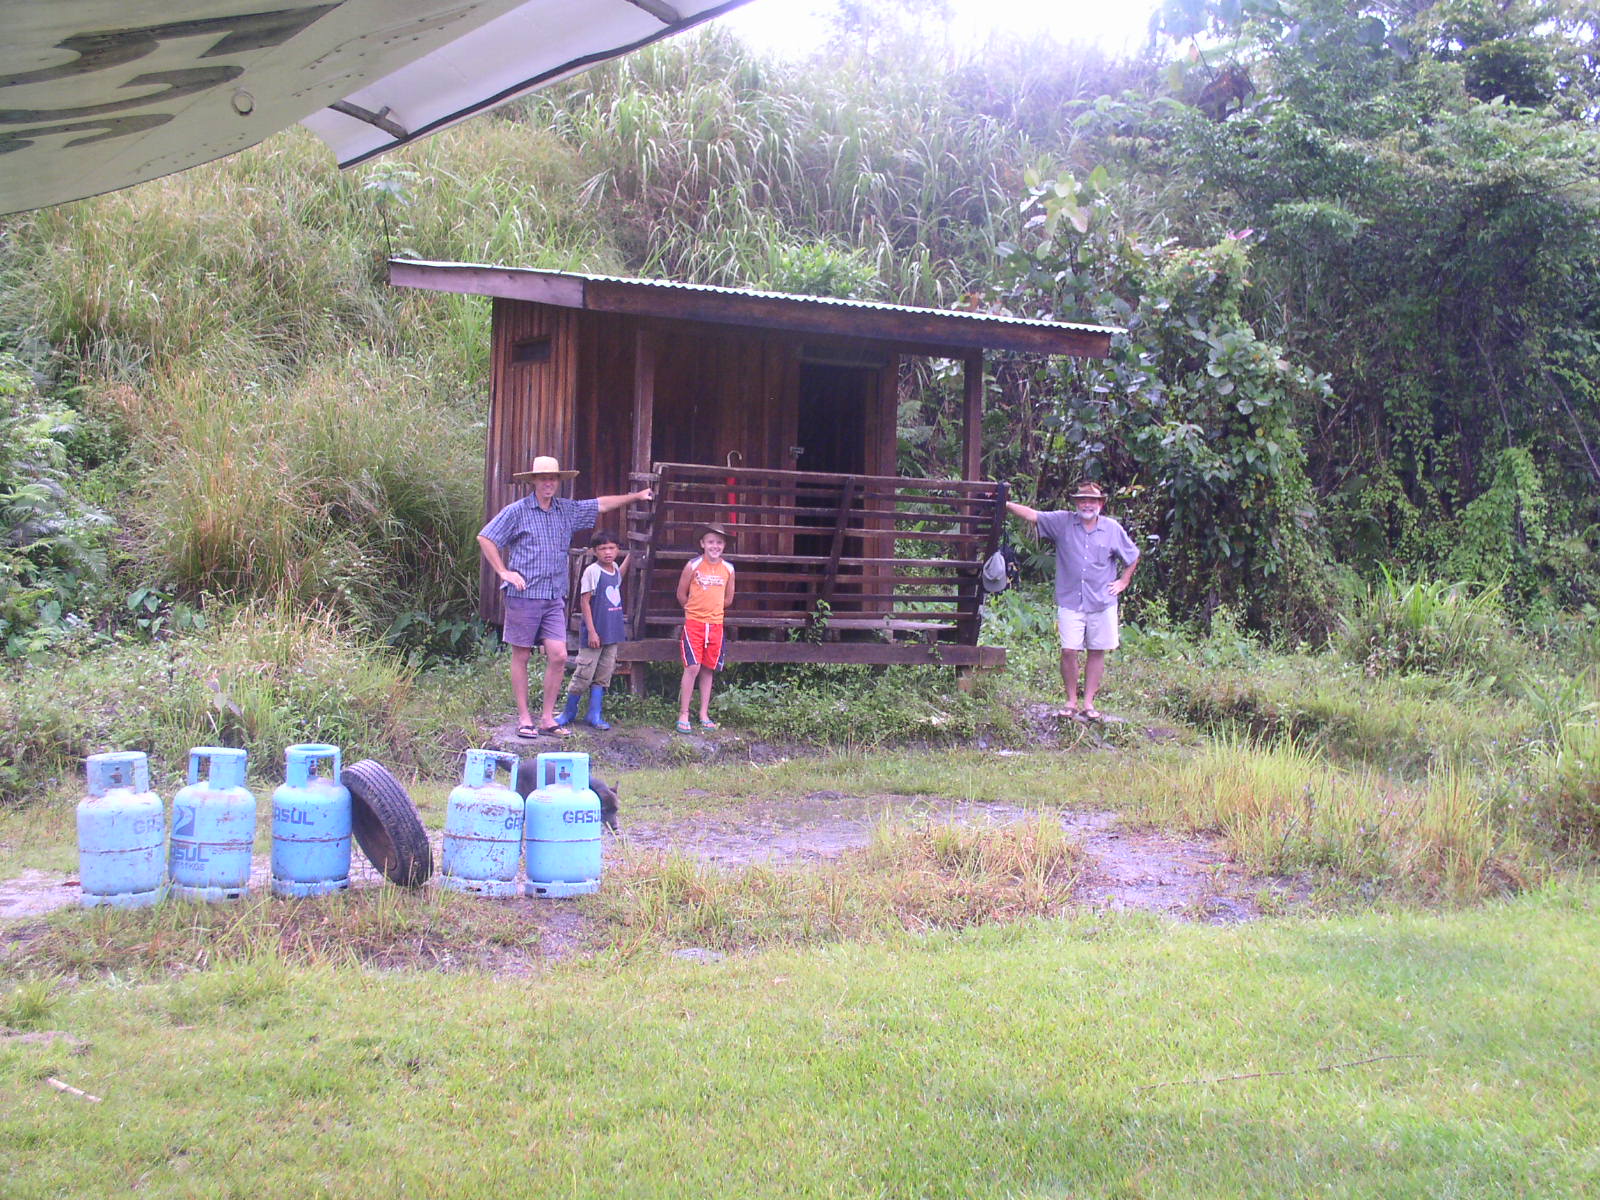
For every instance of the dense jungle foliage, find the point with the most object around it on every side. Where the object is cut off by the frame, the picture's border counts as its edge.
(1361, 305)
(1354, 250)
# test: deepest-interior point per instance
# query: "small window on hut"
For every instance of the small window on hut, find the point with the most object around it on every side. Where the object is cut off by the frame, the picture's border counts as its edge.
(530, 350)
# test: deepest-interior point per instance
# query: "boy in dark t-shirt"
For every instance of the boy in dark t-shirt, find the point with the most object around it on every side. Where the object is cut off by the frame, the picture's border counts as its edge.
(600, 601)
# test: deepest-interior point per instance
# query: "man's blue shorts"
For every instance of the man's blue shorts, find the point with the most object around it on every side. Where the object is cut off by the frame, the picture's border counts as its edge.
(534, 622)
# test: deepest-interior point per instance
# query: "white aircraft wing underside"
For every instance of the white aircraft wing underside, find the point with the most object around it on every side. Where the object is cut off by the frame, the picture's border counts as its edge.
(97, 95)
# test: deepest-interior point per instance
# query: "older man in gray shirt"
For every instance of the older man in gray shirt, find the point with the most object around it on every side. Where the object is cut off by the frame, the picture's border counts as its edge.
(1087, 587)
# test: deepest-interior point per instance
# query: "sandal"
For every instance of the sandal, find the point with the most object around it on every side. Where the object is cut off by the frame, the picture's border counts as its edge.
(1093, 714)
(684, 727)
(704, 724)
(555, 731)
(1069, 713)
(528, 732)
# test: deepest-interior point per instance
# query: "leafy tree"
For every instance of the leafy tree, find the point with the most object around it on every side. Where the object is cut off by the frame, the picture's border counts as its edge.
(1427, 243)
(1193, 415)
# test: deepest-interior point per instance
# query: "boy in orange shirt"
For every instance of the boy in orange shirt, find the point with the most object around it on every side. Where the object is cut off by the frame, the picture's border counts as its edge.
(705, 589)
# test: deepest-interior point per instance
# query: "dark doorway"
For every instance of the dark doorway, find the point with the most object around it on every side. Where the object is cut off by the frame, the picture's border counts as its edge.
(832, 425)
(832, 430)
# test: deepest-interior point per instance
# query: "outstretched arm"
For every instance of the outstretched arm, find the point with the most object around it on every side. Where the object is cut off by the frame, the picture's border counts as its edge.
(1030, 515)
(608, 503)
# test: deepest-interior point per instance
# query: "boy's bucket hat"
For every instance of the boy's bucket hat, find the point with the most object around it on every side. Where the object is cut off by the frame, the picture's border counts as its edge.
(996, 573)
(544, 464)
(717, 528)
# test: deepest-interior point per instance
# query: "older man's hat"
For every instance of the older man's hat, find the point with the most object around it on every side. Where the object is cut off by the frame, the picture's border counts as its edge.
(544, 464)
(1090, 491)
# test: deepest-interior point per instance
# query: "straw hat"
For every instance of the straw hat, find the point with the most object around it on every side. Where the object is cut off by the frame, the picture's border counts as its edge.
(1090, 491)
(544, 465)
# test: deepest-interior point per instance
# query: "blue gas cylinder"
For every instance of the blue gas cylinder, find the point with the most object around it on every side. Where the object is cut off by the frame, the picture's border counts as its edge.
(561, 828)
(483, 828)
(213, 828)
(310, 824)
(122, 834)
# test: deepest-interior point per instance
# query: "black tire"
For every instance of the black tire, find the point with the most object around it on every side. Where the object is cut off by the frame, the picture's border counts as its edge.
(386, 824)
(527, 779)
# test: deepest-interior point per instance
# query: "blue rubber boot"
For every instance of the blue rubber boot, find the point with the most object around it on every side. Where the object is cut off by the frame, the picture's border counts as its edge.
(597, 696)
(570, 713)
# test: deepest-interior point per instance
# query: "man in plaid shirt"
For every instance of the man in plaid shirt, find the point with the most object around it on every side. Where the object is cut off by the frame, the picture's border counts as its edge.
(525, 545)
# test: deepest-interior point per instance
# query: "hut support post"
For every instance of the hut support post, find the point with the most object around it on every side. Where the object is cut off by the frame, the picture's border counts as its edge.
(972, 417)
(644, 399)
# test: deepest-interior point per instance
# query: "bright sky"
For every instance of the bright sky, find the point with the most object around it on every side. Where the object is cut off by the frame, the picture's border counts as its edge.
(799, 25)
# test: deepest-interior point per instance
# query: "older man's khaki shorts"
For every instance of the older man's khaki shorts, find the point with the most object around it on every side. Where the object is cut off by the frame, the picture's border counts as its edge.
(1088, 631)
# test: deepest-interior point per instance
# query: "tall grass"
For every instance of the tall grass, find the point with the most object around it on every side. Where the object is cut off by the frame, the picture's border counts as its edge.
(1567, 774)
(1282, 810)
(1566, 763)
(269, 675)
(746, 154)
(918, 876)
(352, 488)
(298, 427)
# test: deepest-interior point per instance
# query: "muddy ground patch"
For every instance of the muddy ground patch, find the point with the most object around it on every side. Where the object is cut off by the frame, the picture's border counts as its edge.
(1116, 868)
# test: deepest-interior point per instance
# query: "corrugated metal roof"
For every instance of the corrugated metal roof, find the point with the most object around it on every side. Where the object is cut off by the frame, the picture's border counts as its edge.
(865, 305)
(572, 289)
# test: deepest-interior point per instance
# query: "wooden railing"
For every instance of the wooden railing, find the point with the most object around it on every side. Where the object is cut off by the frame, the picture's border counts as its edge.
(830, 556)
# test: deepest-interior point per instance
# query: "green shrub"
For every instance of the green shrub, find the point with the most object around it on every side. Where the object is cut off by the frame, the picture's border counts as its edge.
(1436, 628)
(1507, 532)
(849, 706)
(51, 544)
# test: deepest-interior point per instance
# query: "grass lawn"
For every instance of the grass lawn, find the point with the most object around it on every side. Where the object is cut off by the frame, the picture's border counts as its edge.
(1090, 1056)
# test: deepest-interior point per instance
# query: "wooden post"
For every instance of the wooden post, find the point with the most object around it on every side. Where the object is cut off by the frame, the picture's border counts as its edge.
(643, 543)
(972, 417)
(644, 395)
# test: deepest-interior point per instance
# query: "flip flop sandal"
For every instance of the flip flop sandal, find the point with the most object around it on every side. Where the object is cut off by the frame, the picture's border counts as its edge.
(555, 731)
(684, 727)
(527, 731)
(1093, 714)
(1067, 714)
(709, 725)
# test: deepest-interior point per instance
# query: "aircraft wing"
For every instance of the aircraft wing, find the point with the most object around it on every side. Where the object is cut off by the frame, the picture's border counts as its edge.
(97, 95)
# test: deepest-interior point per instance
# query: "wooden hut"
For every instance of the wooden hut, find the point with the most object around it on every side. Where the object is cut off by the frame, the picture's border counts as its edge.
(773, 414)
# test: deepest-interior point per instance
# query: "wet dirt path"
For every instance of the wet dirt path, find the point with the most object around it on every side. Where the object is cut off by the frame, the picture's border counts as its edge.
(1126, 869)
(1186, 878)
